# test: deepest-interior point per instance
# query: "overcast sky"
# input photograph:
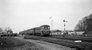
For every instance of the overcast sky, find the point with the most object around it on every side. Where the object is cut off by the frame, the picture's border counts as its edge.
(24, 14)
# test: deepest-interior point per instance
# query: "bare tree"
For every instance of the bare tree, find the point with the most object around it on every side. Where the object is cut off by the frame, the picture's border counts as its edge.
(85, 24)
(1, 30)
(8, 30)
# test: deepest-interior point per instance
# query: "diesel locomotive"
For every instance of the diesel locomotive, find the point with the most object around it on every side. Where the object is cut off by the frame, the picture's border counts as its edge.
(43, 30)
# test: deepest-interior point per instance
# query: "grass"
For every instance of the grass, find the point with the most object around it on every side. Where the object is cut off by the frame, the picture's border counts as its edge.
(16, 44)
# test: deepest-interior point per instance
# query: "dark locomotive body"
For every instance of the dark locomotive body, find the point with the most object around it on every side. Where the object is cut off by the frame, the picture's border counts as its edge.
(43, 30)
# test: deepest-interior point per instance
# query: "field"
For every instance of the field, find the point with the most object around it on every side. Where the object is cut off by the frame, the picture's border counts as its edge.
(16, 44)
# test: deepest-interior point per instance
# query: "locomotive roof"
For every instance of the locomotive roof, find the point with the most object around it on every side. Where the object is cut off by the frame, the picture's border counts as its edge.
(36, 28)
(45, 26)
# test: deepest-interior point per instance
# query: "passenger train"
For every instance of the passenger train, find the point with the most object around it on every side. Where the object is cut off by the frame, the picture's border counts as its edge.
(43, 30)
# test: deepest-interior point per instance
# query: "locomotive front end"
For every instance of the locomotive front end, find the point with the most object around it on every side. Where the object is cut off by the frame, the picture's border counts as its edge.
(45, 30)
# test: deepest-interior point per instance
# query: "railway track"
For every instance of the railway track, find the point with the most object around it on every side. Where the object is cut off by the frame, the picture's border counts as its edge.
(83, 39)
(68, 43)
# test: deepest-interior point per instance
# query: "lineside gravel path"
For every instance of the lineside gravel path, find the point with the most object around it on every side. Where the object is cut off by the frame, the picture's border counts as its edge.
(46, 45)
